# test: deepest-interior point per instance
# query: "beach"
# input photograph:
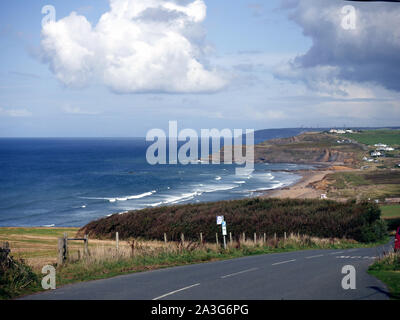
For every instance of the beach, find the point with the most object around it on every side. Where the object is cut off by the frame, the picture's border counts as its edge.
(303, 189)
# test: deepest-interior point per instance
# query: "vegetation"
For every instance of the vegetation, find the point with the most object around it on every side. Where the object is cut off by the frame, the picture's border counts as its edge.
(371, 137)
(16, 278)
(36, 246)
(136, 255)
(310, 147)
(147, 255)
(320, 218)
(387, 269)
(364, 185)
(390, 211)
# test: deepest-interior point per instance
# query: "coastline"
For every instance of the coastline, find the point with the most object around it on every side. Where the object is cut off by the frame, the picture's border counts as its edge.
(302, 189)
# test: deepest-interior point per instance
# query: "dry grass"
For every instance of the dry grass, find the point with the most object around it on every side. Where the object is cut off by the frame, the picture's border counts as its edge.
(136, 248)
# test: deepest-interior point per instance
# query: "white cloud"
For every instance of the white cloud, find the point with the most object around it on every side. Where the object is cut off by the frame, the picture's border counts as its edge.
(77, 110)
(15, 113)
(137, 46)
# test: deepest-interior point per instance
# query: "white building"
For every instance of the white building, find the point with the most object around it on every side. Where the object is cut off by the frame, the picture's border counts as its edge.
(376, 154)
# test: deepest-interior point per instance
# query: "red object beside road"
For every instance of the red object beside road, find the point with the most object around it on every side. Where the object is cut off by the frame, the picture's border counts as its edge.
(397, 240)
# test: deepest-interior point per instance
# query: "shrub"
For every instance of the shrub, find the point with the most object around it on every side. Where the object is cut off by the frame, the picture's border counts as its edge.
(15, 278)
(319, 218)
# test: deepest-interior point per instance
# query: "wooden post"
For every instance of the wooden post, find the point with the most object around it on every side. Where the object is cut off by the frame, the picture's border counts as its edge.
(65, 247)
(244, 237)
(216, 238)
(230, 238)
(182, 238)
(60, 259)
(117, 240)
(275, 236)
(201, 238)
(86, 245)
(4, 252)
(284, 235)
(165, 237)
(265, 238)
(255, 238)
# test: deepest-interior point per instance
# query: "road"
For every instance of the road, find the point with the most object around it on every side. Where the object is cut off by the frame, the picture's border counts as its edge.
(309, 274)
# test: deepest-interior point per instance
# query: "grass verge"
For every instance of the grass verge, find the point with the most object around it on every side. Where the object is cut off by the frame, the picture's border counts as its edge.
(387, 270)
(105, 262)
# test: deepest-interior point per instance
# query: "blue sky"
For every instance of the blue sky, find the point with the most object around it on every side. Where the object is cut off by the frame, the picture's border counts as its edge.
(268, 64)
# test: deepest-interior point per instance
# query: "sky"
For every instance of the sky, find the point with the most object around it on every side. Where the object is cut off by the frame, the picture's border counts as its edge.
(118, 68)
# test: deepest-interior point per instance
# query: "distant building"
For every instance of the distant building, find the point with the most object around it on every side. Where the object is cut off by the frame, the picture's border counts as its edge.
(376, 154)
(380, 145)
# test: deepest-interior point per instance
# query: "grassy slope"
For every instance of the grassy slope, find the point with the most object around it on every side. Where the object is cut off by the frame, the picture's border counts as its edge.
(371, 137)
(387, 270)
(374, 184)
(390, 211)
(309, 147)
(321, 218)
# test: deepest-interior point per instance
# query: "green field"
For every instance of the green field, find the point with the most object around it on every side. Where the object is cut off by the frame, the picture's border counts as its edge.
(371, 137)
(390, 211)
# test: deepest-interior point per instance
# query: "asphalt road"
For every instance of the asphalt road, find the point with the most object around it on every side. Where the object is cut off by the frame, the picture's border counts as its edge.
(310, 274)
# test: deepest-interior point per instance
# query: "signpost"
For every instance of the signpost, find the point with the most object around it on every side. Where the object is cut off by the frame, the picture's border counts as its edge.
(221, 221)
(224, 233)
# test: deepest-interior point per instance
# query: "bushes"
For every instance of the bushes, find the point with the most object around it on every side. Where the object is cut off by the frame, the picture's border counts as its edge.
(15, 278)
(326, 219)
(373, 232)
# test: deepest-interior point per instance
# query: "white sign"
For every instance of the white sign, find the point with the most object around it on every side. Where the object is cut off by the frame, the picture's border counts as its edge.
(220, 219)
(224, 233)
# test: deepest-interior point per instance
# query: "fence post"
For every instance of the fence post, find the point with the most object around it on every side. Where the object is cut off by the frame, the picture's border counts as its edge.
(265, 238)
(165, 237)
(244, 236)
(4, 252)
(284, 235)
(182, 238)
(201, 238)
(65, 246)
(60, 259)
(86, 244)
(255, 238)
(275, 236)
(117, 239)
(230, 237)
(216, 238)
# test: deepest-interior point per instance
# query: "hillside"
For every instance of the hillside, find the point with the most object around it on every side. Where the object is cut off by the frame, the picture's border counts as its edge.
(307, 148)
(326, 219)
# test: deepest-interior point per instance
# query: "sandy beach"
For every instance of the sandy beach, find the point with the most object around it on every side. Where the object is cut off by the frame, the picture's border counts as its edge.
(303, 189)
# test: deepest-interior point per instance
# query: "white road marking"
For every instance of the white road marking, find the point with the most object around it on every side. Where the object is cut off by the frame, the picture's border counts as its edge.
(173, 292)
(236, 273)
(274, 264)
(355, 257)
(320, 255)
(336, 252)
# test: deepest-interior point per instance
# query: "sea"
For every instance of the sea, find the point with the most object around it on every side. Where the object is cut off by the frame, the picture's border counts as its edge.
(68, 182)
